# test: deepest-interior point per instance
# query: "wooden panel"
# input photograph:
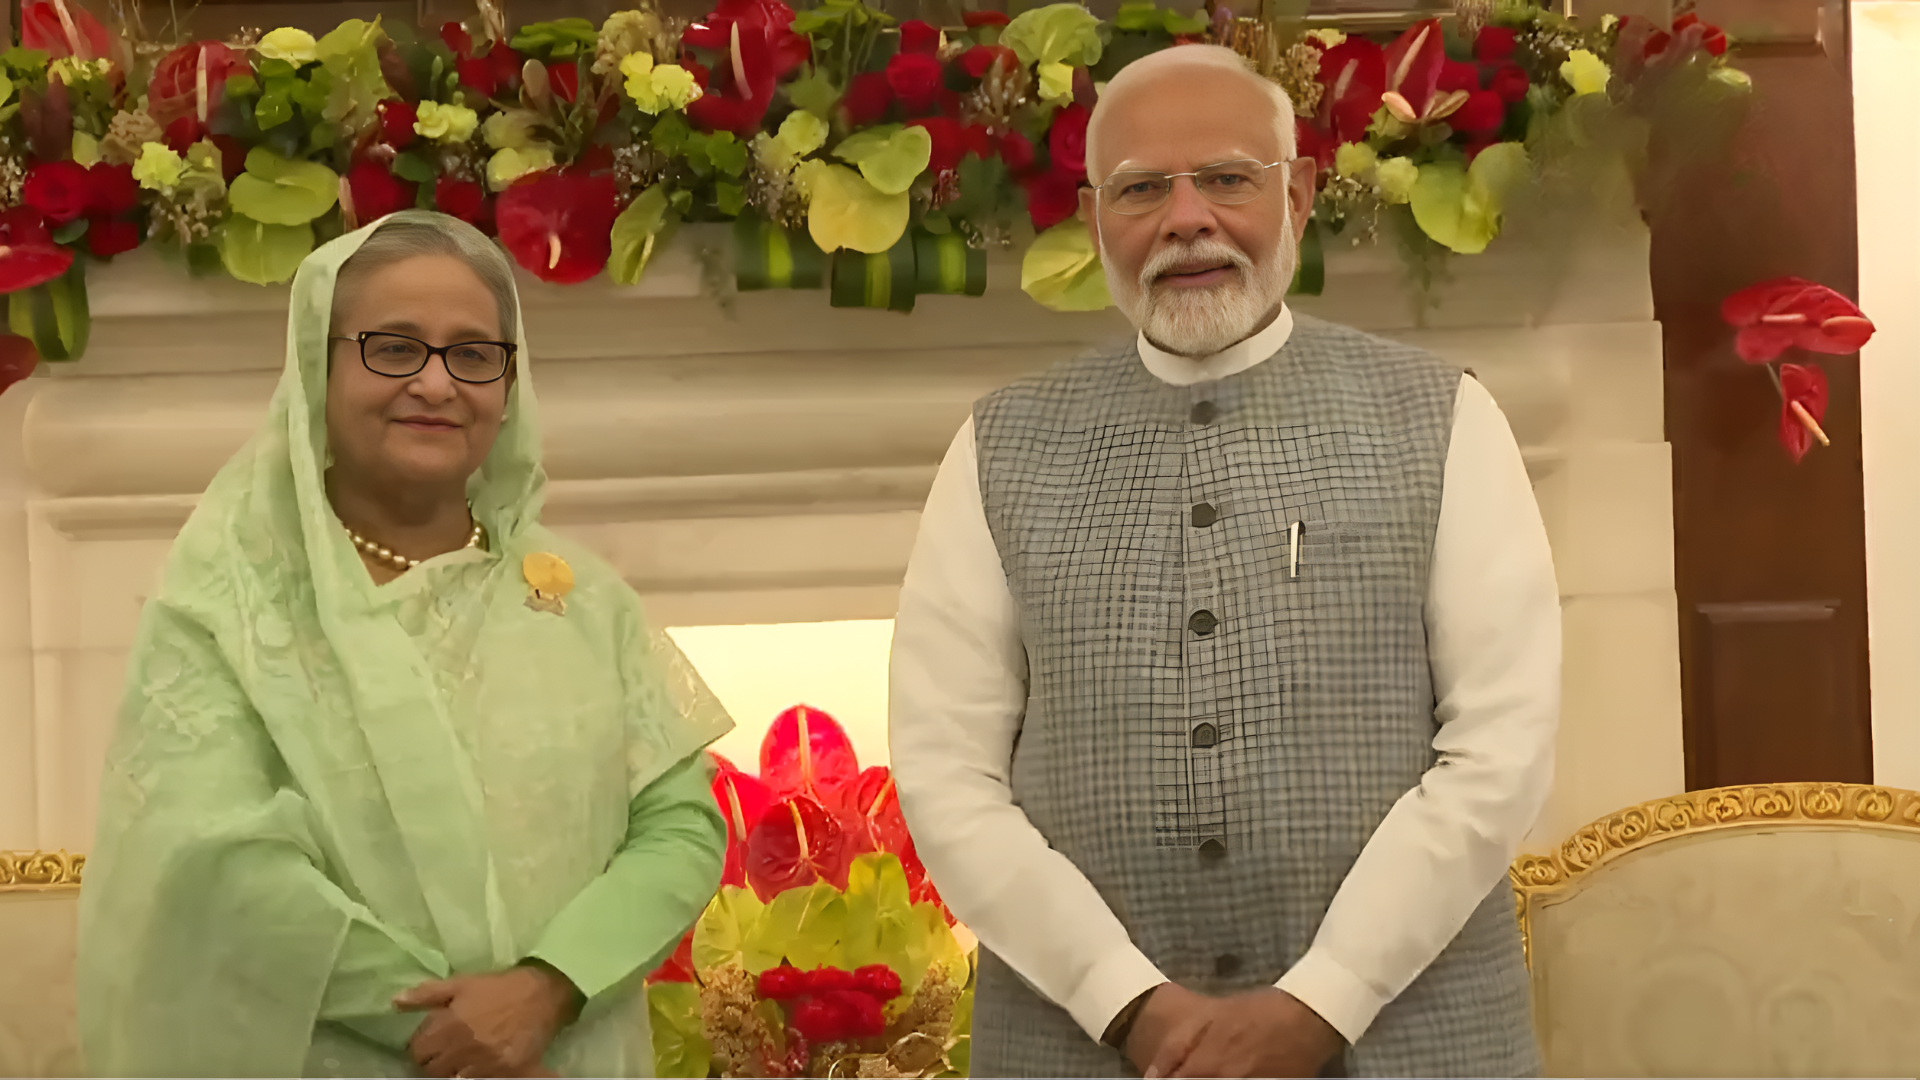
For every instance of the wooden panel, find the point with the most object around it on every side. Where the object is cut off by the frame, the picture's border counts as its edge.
(1772, 695)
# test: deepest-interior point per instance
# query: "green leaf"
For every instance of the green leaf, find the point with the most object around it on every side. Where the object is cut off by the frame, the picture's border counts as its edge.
(931, 945)
(727, 932)
(670, 134)
(262, 253)
(891, 157)
(805, 925)
(637, 232)
(1062, 269)
(936, 222)
(1461, 208)
(278, 191)
(729, 198)
(55, 314)
(814, 92)
(71, 231)
(25, 63)
(1055, 34)
(556, 40)
(681, 201)
(680, 1046)
(728, 154)
(846, 211)
(412, 166)
(274, 109)
(879, 925)
(240, 86)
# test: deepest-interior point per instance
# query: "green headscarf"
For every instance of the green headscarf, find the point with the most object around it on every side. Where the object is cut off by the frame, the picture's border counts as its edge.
(301, 751)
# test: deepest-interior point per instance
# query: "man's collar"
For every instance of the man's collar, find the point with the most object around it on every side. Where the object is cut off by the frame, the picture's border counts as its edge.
(1234, 359)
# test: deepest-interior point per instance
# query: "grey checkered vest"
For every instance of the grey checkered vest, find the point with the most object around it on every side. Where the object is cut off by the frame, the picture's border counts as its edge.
(1214, 728)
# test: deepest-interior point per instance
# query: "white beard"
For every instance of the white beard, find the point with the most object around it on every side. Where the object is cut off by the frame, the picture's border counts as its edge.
(1201, 322)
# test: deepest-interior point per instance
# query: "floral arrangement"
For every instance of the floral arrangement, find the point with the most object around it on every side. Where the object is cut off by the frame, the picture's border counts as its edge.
(876, 159)
(1789, 313)
(827, 951)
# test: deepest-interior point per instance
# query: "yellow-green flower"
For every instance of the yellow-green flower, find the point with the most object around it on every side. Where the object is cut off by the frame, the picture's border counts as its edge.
(801, 133)
(1585, 72)
(294, 46)
(511, 164)
(70, 70)
(158, 167)
(1354, 158)
(656, 88)
(1329, 38)
(1725, 76)
(445, 123)
(623, 34)
(511, 129)
(1396, 177)
(1056, 82)
(203, 161)
(86, 150)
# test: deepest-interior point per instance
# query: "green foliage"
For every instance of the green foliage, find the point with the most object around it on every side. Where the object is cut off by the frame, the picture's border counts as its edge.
(639, 229)
(559, 40)
(262, 253)
(680, 1046)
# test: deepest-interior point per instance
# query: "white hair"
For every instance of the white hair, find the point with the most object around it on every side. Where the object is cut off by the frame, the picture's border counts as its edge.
(1189, 57)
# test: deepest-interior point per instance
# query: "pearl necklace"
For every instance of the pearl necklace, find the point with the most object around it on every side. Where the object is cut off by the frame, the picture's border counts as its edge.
(401, 562)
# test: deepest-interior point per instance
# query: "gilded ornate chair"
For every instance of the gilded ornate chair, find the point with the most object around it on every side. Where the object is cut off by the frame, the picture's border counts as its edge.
(39, 913)
(1752, 931)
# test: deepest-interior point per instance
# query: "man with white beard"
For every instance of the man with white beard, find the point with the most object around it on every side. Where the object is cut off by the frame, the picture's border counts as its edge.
(1226, 672)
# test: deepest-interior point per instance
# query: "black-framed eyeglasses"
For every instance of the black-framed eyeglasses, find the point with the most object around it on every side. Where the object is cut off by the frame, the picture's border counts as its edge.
(1228, 183)
(398, 356)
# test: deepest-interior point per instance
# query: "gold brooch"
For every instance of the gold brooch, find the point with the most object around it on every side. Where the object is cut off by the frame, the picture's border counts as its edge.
(550, 578)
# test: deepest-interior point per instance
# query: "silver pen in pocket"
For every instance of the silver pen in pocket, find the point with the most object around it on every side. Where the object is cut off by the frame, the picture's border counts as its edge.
(1294, 532)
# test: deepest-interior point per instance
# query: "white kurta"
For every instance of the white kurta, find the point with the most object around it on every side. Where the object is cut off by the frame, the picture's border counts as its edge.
(1493, 632)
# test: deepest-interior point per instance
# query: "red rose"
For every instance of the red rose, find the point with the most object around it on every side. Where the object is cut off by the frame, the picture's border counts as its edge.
(783, 983)
(818, 1021)
(919, 37)
(827, 980)
(111, 189)
(559, 227)
(1067, 139)
(174, 88)
(565, 79)
(1510, 83)
(595, 158)
(58, 189)
(41, 27)
(477, 73)
(949, 142)
(860, 1016)
(1494, 45)
(1457, 75)
(396, 122)
(463, 199)
(1052, 197)
(868, 98)
(1483, 114)
(1016, 151)
(974, 20)
(377, 192)
(878, 981)
(975, 139)
(107, 238)
(914, 77)
(979, 59)
(17, 359)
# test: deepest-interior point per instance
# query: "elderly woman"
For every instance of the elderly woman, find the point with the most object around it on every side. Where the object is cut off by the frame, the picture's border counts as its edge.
(403, 783)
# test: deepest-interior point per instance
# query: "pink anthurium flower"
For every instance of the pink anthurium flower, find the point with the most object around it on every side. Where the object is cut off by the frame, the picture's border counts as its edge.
(1415, 63)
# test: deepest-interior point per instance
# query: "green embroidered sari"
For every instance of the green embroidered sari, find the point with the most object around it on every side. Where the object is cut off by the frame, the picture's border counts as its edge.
(322, 792)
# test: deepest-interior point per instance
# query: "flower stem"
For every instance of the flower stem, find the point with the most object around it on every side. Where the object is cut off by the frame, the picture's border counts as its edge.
(1773, 372)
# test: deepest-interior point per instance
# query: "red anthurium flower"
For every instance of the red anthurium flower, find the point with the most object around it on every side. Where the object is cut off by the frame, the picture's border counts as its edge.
(1483, 113)
(1415, 63)
(1511, 83)
(1494, 45)
(1310, 142)
(396, 122)
(679, 966)
(233, 155)
(376, 192)
(111, 190)
(559, 227)
(175, 89)
(1803, 405)
(1653, 40)
(1711, 38)
(760, 47)
(797, 843)
(949, 141)
(507, 65)
(1016, 151)
(18, 358)
(28, 255)
(974, 20)
(807, 752)
(58, 189)
(743, 801)
(915, 78)
(457, 38)
(919, 37)
(1354, 74)
(1067, 139)
(477, 74)
(564, 77)
(877, 802)
(183, 133)
(1052, 197)
(878, 981)
(869, 95)
(783, 983)
(63, 28)
(979, 59)
(1790, 312)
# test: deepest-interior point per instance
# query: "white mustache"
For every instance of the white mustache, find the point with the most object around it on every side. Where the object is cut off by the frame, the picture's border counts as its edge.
(1198, 253)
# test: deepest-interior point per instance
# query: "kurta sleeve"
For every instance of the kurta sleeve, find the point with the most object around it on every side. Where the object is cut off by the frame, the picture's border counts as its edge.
(627, 921)
(210, 933)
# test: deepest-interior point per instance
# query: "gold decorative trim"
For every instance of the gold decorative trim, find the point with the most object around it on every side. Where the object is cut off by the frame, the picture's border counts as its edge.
(22, 870)
(1536, 878)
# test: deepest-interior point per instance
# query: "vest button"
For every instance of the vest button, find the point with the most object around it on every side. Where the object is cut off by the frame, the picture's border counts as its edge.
(1204, 412)
(1226, 965)
(1204, 515)
(1202, 622)
(1205, 735)
(1213, 848)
